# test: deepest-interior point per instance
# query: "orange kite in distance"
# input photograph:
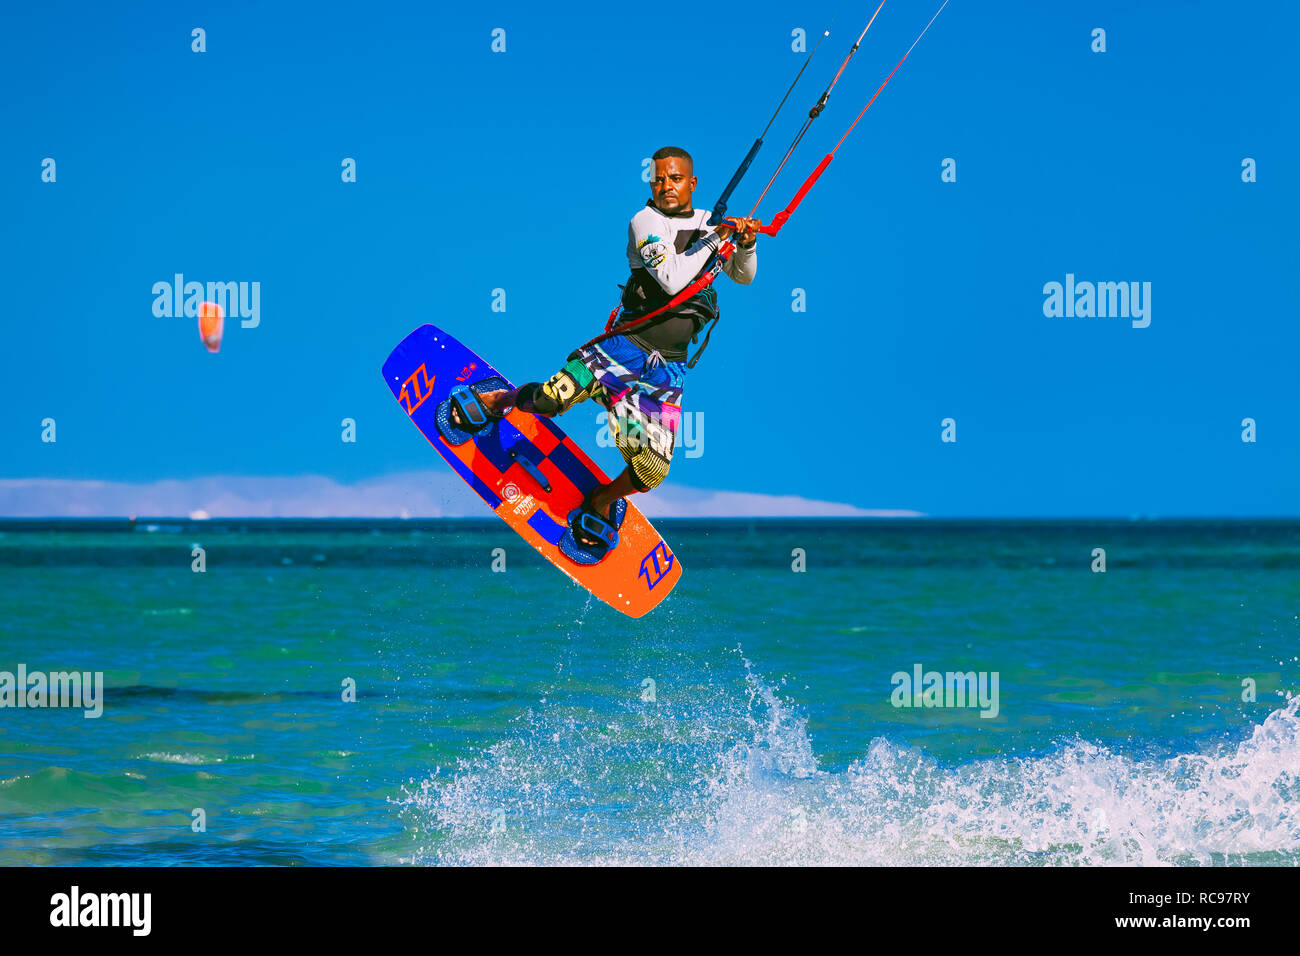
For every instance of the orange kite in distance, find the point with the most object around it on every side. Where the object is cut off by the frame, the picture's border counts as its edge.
(211, 325)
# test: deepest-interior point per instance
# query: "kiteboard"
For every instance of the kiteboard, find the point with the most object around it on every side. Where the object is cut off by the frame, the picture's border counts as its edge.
(528, 471)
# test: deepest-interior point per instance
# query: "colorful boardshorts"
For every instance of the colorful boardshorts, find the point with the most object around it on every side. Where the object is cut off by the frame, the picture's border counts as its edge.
(642, 393)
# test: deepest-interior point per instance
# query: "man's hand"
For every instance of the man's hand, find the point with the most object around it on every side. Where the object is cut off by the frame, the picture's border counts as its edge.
(746, 229)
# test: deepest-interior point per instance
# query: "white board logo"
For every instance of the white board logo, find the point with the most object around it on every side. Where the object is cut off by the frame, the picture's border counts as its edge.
(510, 492)
(525, 505)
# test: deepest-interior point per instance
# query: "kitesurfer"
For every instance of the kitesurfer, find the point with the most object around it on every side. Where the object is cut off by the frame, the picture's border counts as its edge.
(639, 377)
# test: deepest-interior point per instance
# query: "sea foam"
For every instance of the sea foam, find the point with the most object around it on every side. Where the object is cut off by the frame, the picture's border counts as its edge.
(732, 779)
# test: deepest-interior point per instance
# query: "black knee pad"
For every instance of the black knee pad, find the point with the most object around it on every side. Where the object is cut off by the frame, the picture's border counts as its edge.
(531, 398)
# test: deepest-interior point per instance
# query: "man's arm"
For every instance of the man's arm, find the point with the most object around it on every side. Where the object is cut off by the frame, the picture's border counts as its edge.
(743, 264)
(674, 271)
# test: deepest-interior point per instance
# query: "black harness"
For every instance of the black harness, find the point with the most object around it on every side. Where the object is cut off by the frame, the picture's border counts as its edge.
(642, 294)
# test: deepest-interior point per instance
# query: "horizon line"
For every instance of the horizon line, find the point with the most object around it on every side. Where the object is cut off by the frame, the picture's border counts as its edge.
(491, 517)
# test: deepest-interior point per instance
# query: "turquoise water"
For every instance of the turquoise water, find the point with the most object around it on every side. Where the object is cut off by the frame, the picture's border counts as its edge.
(507, 717)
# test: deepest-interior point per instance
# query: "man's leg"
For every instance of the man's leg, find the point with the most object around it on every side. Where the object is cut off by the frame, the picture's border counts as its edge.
(645, 443)
(622, 486)
(566, 388)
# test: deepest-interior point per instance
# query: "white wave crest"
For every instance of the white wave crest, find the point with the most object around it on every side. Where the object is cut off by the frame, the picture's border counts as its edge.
(735, 782)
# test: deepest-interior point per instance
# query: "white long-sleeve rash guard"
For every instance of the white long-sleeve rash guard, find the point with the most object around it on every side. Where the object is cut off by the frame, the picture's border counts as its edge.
(673, 249)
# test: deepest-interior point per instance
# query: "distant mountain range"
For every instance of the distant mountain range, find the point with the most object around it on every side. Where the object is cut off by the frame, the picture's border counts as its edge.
(416, 494)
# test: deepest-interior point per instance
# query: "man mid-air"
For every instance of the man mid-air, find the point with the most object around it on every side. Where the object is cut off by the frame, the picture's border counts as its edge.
(639, 377)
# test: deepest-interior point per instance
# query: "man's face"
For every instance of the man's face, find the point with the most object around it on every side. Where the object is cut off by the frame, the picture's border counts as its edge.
(672, 184)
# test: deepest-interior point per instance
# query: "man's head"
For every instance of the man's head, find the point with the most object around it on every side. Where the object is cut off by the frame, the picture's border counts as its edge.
(673, 180)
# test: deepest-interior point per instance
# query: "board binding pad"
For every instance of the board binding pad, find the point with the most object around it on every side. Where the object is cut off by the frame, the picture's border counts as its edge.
(512, 460)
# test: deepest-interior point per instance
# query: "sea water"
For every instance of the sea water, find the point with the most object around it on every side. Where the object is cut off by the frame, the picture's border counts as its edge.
(373, 692)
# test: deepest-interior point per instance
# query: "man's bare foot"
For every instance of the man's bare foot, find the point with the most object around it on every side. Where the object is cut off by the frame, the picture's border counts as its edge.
(581, 535)
(493, 403)
(600, 500)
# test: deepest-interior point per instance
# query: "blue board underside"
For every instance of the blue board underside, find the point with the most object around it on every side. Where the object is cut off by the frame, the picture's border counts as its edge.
(448, 363)
(443, 359)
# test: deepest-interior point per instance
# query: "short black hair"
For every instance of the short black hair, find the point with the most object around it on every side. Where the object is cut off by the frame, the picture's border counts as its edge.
(669, 151)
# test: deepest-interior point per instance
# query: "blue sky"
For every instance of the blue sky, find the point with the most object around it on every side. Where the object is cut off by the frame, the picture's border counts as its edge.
(519, 170)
